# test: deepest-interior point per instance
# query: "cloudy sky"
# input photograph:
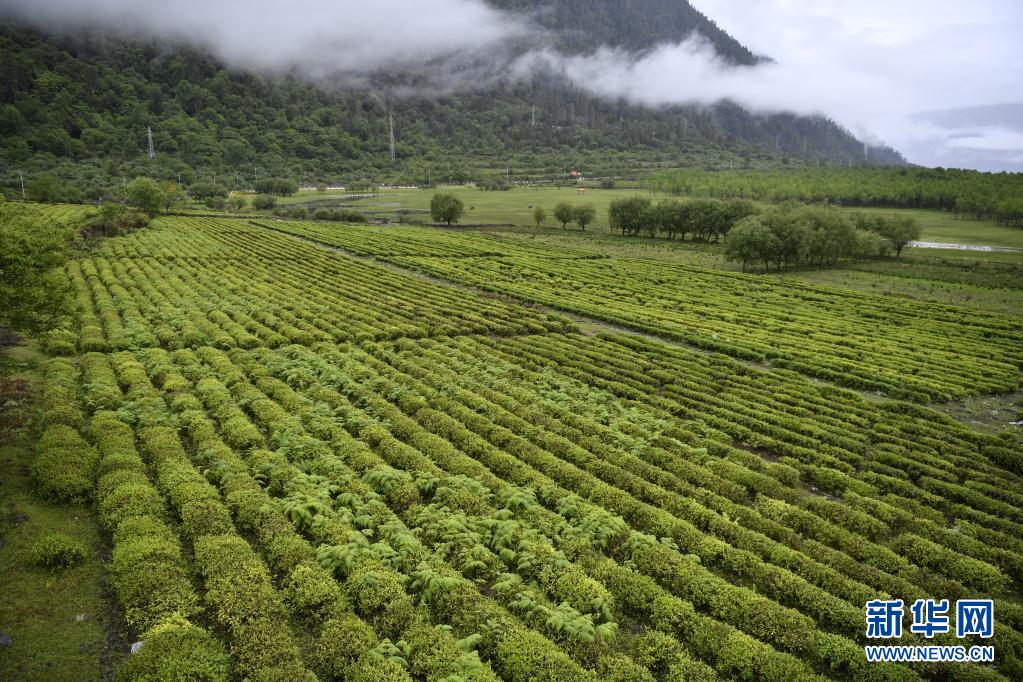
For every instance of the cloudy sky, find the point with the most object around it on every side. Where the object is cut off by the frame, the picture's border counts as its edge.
(933, 78)
(939, 80)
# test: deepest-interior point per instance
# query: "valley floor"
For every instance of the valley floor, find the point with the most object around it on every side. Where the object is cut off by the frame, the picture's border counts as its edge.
(328, 451)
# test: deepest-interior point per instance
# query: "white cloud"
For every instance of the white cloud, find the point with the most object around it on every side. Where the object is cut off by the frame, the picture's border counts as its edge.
(875, 65)
(316, 37)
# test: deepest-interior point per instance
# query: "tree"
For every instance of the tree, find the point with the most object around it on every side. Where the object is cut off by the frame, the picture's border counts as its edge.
(584, 215)
(113, 219)
(146, 195)
(200, 191)
(900, 232)
(668, 216)
(49, 188)
(629, 214)
(33, 295)
(564, 213)
(263, 202)
(446, 208)
(539, 215)
(278, 187)
(751, 241)
(236, 202)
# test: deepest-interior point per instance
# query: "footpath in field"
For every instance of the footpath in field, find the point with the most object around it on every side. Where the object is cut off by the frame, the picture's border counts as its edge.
(372, 476)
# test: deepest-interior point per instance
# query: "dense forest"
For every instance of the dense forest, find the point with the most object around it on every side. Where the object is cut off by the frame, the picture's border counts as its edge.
(969, 194)
(79, 107)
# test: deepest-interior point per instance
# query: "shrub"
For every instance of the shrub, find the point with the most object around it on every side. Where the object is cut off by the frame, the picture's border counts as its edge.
(243, 601)
(60, 342)
(205, 517)
(57, 550)
(134, 497)
(342, 641)
(263, 202)
(620, 668)
(59, 402)
(379, 670)
(312, 593)
(64, 465)
(177, 650)
(148, 574)
(348, 215)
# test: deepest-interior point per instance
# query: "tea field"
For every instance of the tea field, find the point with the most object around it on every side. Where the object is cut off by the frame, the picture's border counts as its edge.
(362, 453)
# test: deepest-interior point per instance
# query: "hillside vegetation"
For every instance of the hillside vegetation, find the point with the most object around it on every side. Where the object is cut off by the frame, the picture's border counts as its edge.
(80, 107)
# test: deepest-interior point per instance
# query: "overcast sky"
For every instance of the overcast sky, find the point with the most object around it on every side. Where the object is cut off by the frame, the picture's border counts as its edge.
(939, 80)
(890, 68)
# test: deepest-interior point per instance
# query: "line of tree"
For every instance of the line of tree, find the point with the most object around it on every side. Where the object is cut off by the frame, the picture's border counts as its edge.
(701, 218)
(967, 194)
(1009, 212)
(565, 213)
(276, 187)
(794, 235)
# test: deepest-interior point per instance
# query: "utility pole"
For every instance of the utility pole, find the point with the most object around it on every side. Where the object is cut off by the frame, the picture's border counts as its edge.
(390, 120)
(532, 120)
(22, 178)
(149, 136)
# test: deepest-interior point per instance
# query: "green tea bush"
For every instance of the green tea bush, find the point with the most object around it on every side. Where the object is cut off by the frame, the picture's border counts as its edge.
(342, 641)
(57, 550)
(175, 649)
(60, 342)
(64, 465)
(148, 573)
(243, 601)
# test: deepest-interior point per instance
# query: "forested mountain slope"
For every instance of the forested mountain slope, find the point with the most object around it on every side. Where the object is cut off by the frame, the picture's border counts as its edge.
(80, 105)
